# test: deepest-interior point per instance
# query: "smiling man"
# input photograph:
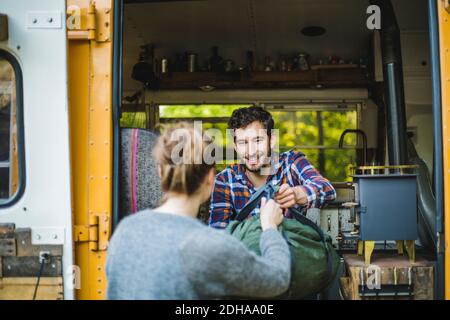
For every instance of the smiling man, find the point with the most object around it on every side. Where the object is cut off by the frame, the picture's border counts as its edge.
(301, 185)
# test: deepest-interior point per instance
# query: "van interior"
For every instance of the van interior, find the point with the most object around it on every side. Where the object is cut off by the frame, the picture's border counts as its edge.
(316, 65)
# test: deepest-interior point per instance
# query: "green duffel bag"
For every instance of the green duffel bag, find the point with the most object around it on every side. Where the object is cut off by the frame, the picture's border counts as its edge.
(314, 260)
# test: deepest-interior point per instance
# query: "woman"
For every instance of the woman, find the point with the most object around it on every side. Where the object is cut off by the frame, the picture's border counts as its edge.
(166, 253)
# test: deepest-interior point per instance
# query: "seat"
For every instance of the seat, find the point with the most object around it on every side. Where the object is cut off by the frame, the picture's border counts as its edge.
(140, 186)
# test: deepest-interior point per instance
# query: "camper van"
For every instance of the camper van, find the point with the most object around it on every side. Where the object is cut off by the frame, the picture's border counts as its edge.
(361, 87)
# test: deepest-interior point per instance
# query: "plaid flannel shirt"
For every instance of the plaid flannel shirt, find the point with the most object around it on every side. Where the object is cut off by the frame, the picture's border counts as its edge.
(233, 189)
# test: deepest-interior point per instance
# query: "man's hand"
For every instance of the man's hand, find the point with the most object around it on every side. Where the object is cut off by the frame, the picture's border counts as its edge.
(288, 196)
(271, 215)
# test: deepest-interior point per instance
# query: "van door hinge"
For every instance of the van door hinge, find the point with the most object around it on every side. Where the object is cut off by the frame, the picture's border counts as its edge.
(90, 23)
(97, 233)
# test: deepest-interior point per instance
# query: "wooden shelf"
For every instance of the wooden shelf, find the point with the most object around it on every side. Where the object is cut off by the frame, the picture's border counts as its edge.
(334, 66)
(328, 78)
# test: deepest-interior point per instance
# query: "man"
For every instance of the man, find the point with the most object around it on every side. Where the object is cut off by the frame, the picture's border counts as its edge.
(301, 185)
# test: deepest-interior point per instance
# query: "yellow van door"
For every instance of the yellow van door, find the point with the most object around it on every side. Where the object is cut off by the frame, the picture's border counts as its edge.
(89, 31)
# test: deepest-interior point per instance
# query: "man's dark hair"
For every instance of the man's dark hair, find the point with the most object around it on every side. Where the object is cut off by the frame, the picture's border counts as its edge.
(242, 117)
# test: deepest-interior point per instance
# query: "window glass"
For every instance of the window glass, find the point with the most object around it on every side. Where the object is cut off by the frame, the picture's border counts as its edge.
(316, 134)
(313, 130)
(9, 158)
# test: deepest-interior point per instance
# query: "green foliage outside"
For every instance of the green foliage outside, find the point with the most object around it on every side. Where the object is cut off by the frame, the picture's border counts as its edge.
(133, 120)
(297, 130)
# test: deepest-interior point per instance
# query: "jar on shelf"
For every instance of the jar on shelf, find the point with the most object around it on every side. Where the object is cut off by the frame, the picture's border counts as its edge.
(303, 63)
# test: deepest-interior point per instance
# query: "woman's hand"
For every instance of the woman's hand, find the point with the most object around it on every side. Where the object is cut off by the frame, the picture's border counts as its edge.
(271, 215)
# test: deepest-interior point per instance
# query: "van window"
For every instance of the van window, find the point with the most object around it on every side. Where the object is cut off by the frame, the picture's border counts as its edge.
(316, 133)
(314, 130)
(214, 116)
(9, 150)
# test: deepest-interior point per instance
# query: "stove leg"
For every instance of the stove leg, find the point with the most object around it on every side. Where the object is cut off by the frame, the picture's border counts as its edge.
(369, 246)
(399, 247)
(360, 248)
(411, 250)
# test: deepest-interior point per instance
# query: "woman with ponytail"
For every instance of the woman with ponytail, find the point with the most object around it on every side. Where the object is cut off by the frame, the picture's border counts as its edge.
(166, 253)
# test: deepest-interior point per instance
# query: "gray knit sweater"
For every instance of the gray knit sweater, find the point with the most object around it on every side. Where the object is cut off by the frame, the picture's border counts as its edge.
(163, 256)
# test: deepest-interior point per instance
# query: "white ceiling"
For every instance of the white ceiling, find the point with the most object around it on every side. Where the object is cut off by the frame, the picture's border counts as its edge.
(267, 27)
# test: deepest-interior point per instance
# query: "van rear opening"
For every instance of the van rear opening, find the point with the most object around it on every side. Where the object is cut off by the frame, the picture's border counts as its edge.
(321, 68)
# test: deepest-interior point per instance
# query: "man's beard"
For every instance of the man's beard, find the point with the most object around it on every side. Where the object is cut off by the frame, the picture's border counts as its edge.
(256, 170)
(266, 163)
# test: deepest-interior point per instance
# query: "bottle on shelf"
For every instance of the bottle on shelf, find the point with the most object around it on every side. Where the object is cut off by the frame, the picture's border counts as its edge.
(215, 61)
(268, 66)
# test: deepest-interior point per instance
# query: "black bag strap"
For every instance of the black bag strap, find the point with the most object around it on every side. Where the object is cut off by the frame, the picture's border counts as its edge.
(267, 190)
